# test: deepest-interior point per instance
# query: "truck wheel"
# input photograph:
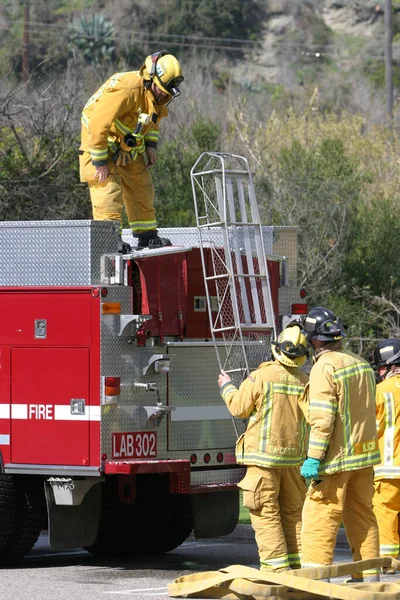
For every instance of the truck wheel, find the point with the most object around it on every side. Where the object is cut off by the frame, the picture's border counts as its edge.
(8, 508)
(162, 521)
(114, 523)
(157, 522)
(171, 525)
(29, 521)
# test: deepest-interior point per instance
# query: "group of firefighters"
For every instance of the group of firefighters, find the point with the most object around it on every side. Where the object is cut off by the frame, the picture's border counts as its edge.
(338, 431)
(335, 429)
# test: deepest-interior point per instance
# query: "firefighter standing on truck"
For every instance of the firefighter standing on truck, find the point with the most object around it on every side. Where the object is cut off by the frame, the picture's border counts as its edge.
(342, 448)
(386, 500)
(273, 447)
(120, 126)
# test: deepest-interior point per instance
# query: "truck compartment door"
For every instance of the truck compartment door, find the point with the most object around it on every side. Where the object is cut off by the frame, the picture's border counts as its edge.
(49, 406)
(200, 420)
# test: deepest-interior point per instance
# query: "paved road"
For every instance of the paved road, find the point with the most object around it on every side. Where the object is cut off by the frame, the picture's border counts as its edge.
(76, 575)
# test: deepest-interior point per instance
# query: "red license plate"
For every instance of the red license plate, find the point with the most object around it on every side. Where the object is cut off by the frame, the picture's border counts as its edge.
(138, 444)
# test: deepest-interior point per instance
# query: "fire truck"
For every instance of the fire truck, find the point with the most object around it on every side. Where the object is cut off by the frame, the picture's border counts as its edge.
(113, 435)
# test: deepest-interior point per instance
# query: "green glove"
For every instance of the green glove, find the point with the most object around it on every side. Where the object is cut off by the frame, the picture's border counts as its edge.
(309, 470)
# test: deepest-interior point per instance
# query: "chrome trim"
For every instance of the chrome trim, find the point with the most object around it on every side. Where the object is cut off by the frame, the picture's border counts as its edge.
(52, 470)
(205, 344)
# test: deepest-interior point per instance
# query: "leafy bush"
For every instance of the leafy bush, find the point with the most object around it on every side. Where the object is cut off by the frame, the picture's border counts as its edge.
(173, 190)
(373, 256)
(374, 70)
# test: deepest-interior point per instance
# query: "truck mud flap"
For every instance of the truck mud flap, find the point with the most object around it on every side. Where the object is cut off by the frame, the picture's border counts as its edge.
(82, 519)
(239, 582)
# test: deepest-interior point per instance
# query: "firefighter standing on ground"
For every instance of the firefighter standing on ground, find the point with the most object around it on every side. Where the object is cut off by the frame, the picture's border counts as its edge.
(386, 500)
(273, 447)
(342, 448)
(120, 126)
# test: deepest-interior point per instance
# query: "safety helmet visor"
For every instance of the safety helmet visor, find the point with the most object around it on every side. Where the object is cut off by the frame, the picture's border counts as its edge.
(386, 353)
(292, 350)
(329, 330)
(172, 86)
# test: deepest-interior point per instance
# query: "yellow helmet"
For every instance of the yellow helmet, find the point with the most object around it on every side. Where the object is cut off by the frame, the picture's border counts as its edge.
(165, 70)
(290, 349)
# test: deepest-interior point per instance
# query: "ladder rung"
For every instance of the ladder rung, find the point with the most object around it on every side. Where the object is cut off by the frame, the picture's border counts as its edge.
(236, 276)
(245, 327)
(221, 172)
(256, 327)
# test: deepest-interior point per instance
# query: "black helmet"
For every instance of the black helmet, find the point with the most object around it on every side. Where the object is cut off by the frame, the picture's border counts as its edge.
(322, 324)
(386, 353)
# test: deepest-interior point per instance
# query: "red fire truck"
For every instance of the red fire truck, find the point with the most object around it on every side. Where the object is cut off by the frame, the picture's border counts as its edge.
(113, 436)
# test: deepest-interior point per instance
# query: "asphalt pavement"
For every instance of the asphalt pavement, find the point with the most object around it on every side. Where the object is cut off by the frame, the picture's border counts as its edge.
(75, 574)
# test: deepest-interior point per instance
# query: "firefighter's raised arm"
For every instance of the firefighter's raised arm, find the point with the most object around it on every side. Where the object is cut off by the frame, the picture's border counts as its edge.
(240, 402)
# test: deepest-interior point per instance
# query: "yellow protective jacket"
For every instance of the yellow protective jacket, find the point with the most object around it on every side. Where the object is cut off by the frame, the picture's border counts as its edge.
(113, 111)
(342, 411)
(388, 426)
(276, 434)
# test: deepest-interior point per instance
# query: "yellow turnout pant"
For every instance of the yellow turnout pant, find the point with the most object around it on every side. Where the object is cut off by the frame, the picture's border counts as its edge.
(386, 502)
(274, 497)
(347, 497)
(130, 186)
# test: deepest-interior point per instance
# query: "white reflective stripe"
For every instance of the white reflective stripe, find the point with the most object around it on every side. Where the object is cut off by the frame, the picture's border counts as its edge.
(4, 411)
(94, 413)
(200, 413)
(390, 417)
(62, 412)
(19, 411)
(4, 439)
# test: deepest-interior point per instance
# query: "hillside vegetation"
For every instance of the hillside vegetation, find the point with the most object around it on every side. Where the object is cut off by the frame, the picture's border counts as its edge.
(296, 86)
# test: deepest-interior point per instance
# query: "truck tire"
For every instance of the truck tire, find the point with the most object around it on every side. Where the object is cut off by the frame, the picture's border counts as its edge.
(169, 526)
(29, 521)
(157, 522)
(8, 508)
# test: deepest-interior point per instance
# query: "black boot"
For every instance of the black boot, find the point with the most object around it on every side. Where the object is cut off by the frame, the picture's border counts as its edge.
(123, 247)
(150, 239)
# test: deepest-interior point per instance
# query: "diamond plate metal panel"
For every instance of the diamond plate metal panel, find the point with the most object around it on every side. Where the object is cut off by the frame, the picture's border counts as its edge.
(217, 477)
(286, 244)
(45, 253)
(121, 357)
(193, 383)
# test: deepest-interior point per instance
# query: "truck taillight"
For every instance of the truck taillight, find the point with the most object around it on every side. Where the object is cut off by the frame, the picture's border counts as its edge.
(299, 309)
(111, 308)
(112, 386)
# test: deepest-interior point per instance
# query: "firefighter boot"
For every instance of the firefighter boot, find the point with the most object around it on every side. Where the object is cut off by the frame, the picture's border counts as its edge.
(123, 247)
(367, 579)
(150, 239)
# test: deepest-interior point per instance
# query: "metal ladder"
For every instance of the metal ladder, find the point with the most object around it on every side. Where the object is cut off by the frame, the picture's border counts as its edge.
(234, 262)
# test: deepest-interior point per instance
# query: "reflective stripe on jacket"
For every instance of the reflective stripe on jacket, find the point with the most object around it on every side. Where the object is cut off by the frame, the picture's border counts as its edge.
(388, 426)
(113, 111)
(276, 434)
(342, 411)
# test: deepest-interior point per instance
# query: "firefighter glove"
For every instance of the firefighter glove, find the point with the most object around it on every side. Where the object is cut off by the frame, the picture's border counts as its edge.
(309, 470)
